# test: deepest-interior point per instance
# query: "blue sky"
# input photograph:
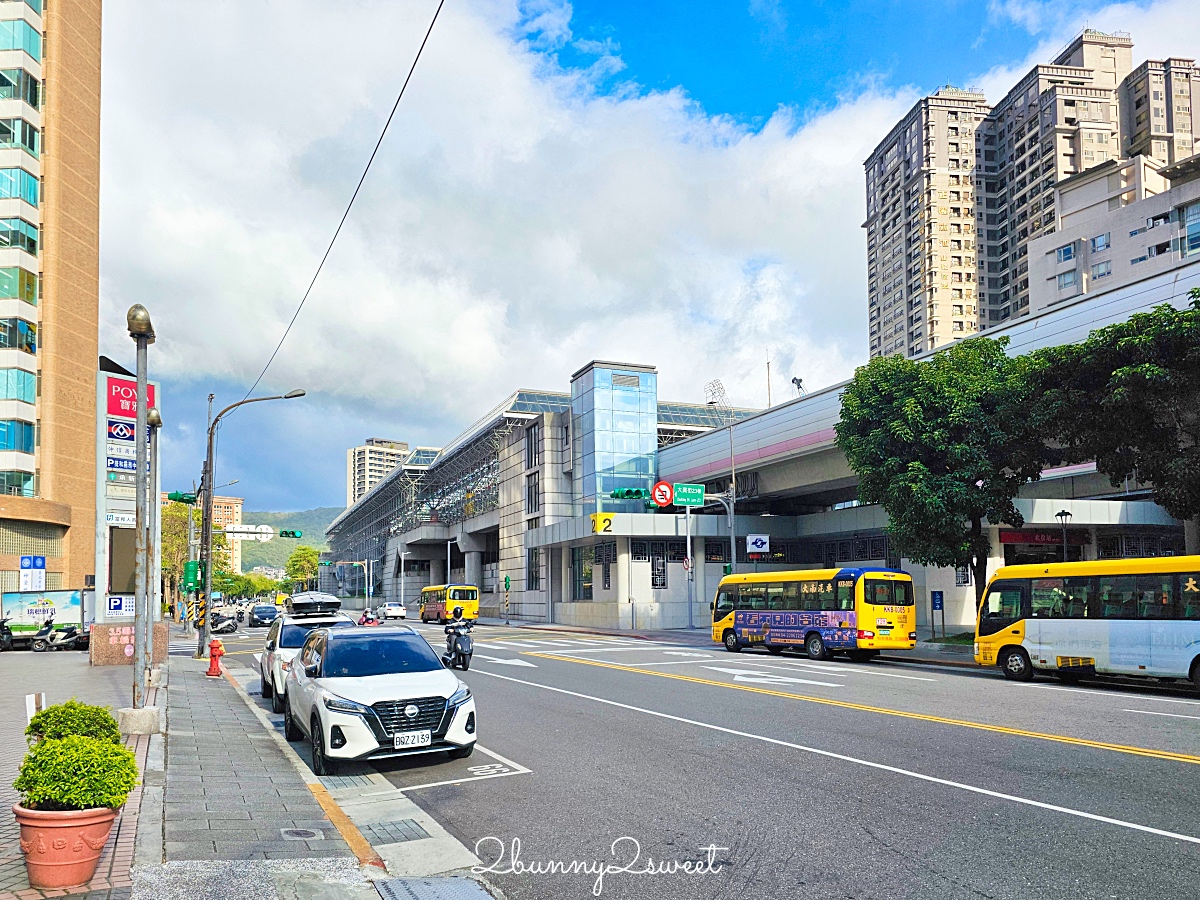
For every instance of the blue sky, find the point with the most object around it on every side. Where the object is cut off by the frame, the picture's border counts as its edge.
(563, 182)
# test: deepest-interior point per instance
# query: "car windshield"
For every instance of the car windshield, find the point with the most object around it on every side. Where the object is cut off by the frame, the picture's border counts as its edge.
(263, 610)
(378, 654)
(293, 634)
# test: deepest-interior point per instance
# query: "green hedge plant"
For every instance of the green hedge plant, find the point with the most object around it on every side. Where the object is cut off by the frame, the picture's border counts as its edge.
(76, 772)
(73, 718)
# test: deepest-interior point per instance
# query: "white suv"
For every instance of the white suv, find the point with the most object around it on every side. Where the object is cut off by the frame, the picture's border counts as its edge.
(370, 693)
(284, 640)
(393, 610)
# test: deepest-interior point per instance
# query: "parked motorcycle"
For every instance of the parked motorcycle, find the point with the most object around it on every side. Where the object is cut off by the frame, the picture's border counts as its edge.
(459, 645)
(6, 635)
(223, 625)
(47, 638)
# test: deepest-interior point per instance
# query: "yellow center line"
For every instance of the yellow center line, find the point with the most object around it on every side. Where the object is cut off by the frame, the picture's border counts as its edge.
(886, 711)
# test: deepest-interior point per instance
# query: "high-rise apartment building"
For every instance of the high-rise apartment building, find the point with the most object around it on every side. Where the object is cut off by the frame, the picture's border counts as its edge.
(921, 241)
(1079, 111)
(369, 463)
(49, 286)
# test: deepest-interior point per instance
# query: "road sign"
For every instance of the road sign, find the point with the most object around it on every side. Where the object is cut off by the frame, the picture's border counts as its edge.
(688, 494)
(662, 494)
(122, 397)
(938, 600)
(602, 523)
(33, 573)
(758, 543)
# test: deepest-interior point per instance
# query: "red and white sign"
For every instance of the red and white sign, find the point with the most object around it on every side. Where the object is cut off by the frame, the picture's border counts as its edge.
(663, 494)
(122, 396)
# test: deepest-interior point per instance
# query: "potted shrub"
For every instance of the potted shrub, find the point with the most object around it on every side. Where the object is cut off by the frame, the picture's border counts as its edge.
(71, 787)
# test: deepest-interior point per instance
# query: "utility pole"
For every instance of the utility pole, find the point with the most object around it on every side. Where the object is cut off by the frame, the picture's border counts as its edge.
(714, 396)
(142, 331)
(154, 570)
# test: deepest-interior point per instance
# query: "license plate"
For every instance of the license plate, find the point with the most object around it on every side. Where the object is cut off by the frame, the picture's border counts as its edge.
(885, 631)
(407, 739)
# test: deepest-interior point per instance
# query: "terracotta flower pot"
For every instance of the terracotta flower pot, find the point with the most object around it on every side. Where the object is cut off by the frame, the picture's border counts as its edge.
(62, 848)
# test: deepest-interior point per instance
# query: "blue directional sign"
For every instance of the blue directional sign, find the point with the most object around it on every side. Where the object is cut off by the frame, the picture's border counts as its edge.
(936, 597)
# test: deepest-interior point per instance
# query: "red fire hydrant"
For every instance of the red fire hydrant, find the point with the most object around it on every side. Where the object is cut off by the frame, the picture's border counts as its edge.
(215, 651)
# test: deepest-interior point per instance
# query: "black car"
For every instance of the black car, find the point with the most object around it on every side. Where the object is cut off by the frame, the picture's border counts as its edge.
(263, 614)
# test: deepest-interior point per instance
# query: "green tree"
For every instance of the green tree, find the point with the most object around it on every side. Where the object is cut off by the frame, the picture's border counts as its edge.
(301, 566)
(173, 532)
(943, 445)
(1129, 398)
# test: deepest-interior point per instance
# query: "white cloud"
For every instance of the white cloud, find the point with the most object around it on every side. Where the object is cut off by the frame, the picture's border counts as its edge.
(517, 223)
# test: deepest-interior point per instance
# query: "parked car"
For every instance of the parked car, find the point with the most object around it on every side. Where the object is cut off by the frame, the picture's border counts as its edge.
(394, 610)
(262, 615)
(370, 693)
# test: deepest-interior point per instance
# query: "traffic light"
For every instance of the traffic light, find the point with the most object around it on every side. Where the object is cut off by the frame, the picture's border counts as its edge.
(181, 497)
(325, 562)
(191, 575)
(291, 534)
(630, 494)
(727, 568)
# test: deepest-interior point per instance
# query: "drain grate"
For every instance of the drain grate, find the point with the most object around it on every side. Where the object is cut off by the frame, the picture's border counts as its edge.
(302, 834)
(347, 781)
(431, 889)
(393, 832)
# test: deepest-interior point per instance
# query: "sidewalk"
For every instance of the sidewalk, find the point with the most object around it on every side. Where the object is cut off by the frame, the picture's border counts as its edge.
(61, 676)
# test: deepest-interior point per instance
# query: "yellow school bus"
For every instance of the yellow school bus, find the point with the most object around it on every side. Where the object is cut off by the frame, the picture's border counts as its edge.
(822, 611)
(438, 602)
(1100, 617)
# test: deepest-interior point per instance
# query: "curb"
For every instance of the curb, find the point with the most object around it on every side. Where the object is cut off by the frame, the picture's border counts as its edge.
(358, 844)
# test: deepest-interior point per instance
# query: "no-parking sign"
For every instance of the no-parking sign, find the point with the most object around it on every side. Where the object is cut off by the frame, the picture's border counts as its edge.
(663, 494)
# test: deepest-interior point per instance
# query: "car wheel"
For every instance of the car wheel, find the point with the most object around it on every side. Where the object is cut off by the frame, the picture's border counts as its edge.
(322, 764)
(265, 688)
(774, 649)
(291, 730)
(461, 752)
(731, 642)
(277, 703)
(1016, 665)
(815, 647)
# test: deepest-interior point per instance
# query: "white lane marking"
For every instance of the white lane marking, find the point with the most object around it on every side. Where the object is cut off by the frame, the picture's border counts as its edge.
(507, 662)
(686, 653)
(829, 754)
(673, 662)
(508, 644)
(512, 769)
(768, 678)
(572, 652)
(1147, 712)
(1111, 694)
(765, 665)
(828, 670)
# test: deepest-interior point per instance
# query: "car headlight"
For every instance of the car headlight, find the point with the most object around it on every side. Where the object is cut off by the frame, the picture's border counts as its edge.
(459, 697)
(341, 704)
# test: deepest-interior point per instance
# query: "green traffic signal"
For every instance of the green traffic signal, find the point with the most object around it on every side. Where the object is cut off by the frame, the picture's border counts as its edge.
(325, 562)
(291, 534)
(630, 494)
(191, 575)
(181, 497)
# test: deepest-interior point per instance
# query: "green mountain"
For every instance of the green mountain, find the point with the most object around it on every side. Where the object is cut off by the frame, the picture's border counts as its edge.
(312, 522)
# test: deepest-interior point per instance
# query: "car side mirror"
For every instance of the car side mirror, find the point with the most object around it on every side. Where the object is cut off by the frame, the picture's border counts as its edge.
(312, 671)
(712, 605)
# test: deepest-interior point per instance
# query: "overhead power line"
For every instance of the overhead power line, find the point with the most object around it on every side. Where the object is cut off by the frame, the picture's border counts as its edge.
(353, 197)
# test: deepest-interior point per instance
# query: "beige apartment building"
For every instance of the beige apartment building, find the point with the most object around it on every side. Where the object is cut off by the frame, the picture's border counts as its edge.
(226, 511)
(368, 464)
(1061, 119)
(49, 286)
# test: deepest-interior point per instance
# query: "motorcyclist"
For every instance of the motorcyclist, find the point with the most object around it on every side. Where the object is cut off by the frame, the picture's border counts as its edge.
(367, 618)
(456, 622)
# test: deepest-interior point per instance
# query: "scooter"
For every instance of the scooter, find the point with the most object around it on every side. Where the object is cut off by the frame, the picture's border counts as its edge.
(223, 625)
(46, 638)
(459, 645)
(6, 635)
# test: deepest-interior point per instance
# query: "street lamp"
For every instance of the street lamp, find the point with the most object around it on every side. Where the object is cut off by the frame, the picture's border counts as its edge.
(1063, 516)
(153, 577)
(448, 543)
(142, 331)
(208, 480)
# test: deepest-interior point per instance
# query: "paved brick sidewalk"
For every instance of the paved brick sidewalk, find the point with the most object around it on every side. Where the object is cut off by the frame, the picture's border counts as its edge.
(231, 792)
(61, 676)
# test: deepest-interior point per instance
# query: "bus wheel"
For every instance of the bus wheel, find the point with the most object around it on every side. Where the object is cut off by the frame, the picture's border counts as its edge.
(774, 649)
(815, 647)
(860, 656)
(731, 642)
(1196, 673)
(1016, 665)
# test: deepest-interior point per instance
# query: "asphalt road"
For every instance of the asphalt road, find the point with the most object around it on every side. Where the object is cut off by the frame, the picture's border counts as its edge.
(874, 780)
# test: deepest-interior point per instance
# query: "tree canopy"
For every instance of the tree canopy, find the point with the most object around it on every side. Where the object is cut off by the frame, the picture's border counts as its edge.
(301, 566)
(943, 445)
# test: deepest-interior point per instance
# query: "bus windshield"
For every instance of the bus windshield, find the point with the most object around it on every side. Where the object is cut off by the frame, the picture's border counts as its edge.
(878, 592)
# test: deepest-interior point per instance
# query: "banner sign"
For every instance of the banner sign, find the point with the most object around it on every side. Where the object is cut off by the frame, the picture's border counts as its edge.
(122, 396)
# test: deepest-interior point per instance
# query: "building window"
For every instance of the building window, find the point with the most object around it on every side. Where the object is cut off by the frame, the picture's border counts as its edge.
(533, 569)
(16, 435)
(17, 84)
(962, 576)
(1191, 218)
(638, 551)
(716, 551)
(582, 562)
(658, 565)
(18, 334)
(1102, 269)
(20, 234)
(19, 134)
(533, 445)
(1102, 242)
(1066, 279)
(1066, 254)
(533, 492)
(17, 384)
(17, 34)
(18, 284)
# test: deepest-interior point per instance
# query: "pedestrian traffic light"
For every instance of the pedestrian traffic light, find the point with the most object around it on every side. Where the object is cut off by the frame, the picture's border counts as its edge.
(191, 575)
(291, 534)
(630, 494)
(181, 497)
(727, 568)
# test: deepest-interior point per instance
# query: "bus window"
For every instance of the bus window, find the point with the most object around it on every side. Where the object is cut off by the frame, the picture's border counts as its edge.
(1118, 596)
(888, 593)
(462, 594)
(845, 594)
(792, 598)
(1189, 594)
(1156, 597)
(752, 596)
(1003, 601)
(724, 604)
(1048, 598)
(775, 596)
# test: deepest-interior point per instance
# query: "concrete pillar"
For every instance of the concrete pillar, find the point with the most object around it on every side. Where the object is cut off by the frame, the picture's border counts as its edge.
(624, 584)
(474, 568)
(700, 593)
(437, 571)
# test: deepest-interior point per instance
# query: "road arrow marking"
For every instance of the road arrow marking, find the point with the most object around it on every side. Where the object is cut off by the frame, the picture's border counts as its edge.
(767, 678)
(507, 662)
(681, 653)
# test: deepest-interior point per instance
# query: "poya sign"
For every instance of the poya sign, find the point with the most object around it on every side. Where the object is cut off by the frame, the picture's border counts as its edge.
(122, 396)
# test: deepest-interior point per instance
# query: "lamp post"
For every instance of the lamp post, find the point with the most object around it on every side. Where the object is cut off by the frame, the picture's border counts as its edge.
(153, 570)
(448, 543)
(403, 553)
(141, 329)
(1063, 516)
(206, 520)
